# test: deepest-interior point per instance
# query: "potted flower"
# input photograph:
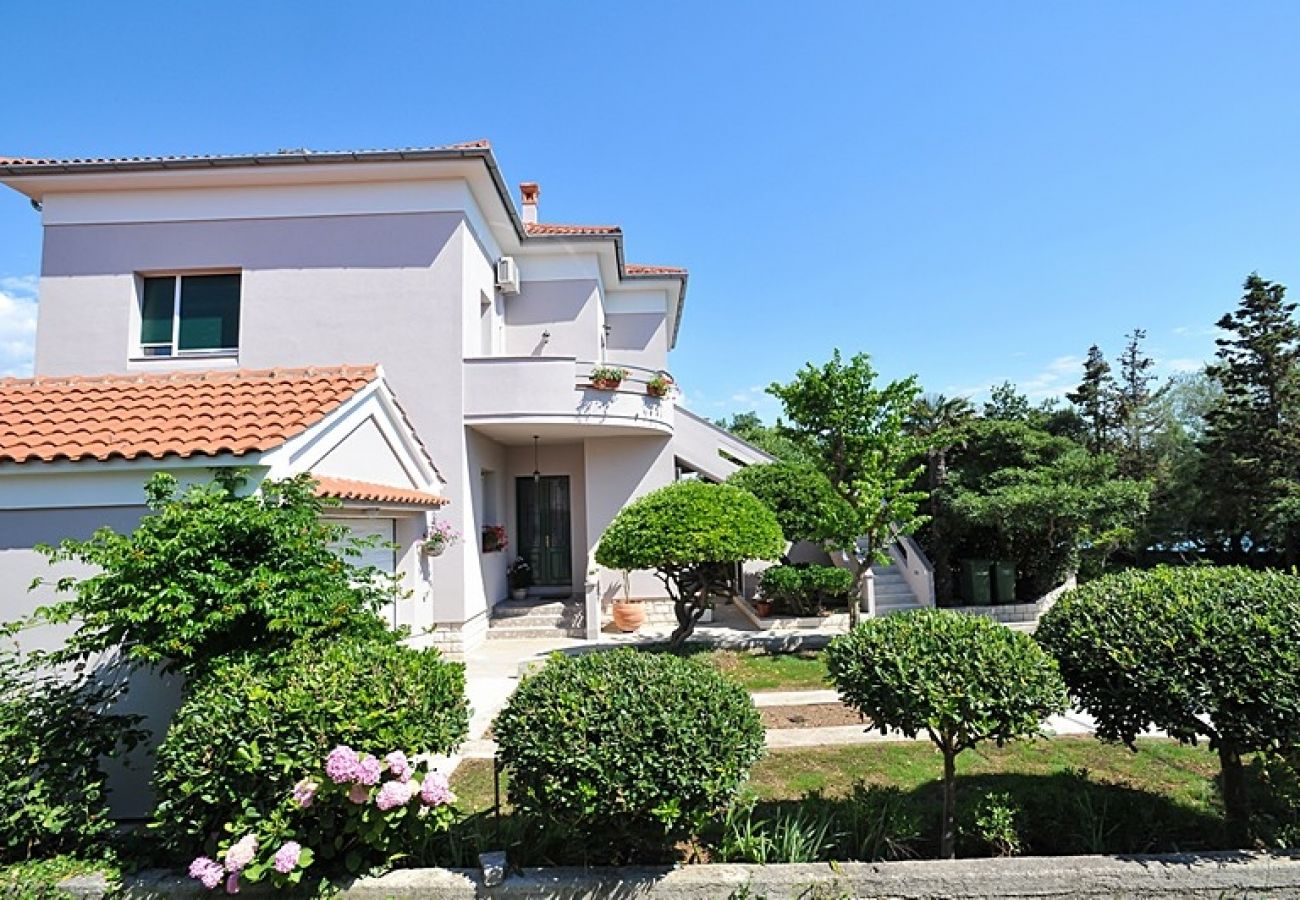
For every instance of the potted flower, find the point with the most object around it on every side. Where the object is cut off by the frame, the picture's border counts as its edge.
(762, 607)
(439, 537)
(519, 575)
(660, 386)
(607, 378)
(494, 538)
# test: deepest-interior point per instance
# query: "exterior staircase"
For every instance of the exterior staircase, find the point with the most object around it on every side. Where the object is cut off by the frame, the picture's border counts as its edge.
(536, 618)
(893, 594)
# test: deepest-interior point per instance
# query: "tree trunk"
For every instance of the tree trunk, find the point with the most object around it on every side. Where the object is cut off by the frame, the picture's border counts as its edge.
(948, 831)
(1236, 800)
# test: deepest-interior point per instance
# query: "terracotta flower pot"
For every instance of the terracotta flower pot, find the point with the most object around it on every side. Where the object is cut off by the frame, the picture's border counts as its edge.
(629, 617)
(763, 608)
(606, 384)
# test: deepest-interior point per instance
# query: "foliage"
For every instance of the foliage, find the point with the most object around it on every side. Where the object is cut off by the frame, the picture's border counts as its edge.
(806, 589)
(959, 679)
(38, 879)
(806, 505)
(1095, 400)
(937, 421)
(607, 375)
(247, 731)
(54, 735)
(995, 824)
(661, 385)
(354, 812)
(1133, 399)
(211, 572)
(1006, 404)
(626, 751)
(1200, 652)
(519, 574)
(692, 534)
(750, 428)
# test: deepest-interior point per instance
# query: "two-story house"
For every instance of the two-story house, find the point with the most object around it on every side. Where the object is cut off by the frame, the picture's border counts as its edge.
(388, 320)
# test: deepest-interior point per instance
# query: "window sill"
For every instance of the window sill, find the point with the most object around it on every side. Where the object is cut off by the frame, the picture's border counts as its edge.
(182, 357)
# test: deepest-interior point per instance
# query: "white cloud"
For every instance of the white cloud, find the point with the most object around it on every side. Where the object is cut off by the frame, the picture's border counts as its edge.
(1180, 365)
(1058, 376)
(17, 324)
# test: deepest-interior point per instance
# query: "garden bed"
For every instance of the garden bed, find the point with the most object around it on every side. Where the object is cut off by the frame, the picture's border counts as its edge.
(809, 715)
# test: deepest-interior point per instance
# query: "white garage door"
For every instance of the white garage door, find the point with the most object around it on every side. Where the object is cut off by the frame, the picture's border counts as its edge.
(382, 557)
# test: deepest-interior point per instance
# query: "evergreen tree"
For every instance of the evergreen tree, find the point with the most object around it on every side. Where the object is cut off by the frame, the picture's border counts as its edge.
(1093, 398)
(1252, 445)
(1006, 404)
(1133, 396)
(936, 420)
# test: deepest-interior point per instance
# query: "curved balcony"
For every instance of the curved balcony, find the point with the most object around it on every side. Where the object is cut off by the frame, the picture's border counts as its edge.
(511, 398)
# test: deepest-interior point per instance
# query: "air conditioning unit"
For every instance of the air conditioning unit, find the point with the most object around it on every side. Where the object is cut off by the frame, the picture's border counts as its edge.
(507, 275)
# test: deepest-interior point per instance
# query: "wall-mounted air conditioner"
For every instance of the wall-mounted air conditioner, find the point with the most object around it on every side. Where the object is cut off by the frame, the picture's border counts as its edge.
(507, 275)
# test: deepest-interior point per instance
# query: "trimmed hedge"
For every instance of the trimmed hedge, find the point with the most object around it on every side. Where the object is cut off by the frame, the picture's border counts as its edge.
(805, 589)
(248, 730)
(626, 752)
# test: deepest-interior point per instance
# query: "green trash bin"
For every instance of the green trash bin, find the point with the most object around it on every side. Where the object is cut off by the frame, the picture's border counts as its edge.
(975, 586)
(1004, 582)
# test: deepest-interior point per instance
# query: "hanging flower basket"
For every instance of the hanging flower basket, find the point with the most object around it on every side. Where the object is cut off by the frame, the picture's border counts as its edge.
(440, 536)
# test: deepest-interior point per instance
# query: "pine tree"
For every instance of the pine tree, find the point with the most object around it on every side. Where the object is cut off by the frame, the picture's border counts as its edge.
(1133, 396)
(1094, 400)
(1252, 445)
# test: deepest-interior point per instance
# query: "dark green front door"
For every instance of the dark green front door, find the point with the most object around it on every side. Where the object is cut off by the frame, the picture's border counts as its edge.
(543, 508)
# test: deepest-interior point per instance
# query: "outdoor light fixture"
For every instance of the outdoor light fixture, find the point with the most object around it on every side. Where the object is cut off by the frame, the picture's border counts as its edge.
(537, 472)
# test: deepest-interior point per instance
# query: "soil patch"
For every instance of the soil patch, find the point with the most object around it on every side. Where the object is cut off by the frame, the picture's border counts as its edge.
(809, 715)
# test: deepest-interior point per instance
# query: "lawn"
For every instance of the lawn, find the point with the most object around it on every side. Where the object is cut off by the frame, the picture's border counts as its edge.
(799, 671)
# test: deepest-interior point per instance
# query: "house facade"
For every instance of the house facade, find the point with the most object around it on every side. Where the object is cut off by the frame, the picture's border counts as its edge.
(484, 322)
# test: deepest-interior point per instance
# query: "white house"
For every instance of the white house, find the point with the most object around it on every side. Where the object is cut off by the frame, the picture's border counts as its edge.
(208, 275)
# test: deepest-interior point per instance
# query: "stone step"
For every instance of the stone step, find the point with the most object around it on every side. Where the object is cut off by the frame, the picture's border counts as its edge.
(533, 633)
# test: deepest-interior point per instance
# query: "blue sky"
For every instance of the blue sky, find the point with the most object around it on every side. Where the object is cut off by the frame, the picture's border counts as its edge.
(968, 192)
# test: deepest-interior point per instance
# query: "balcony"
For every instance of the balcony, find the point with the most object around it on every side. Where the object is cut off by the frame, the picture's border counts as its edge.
(512, 398)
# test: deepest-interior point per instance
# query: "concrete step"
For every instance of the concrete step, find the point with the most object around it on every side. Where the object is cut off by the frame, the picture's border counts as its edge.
(532, 633)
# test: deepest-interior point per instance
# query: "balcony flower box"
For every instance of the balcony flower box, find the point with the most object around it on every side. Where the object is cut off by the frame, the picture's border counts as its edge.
(494, 538)
(660, 386)
(607, 378)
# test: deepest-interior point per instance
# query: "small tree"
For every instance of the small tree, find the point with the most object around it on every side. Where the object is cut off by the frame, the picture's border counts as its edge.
(211, 571)
(1199, 652)
(691, 534)
(806, 505)
(959, 679)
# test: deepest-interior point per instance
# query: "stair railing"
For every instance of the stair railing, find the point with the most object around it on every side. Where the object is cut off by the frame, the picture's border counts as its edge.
(916, 567)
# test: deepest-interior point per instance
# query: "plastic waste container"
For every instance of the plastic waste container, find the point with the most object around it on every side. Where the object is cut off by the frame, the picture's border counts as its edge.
(1004, 582)
(976, 589)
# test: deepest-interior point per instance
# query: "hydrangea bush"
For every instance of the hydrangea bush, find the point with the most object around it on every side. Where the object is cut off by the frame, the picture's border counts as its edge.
(356, 813)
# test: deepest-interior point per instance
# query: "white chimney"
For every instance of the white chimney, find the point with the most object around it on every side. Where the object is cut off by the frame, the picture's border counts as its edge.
(529, 191)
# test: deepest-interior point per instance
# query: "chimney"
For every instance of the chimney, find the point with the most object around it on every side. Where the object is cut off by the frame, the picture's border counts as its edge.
(529, 191)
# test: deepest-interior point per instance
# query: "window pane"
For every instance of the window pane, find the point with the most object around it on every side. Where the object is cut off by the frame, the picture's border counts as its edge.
(156, 310)
(209, 312)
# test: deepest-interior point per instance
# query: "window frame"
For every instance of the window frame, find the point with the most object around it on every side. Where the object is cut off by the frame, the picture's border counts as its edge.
(141, 348)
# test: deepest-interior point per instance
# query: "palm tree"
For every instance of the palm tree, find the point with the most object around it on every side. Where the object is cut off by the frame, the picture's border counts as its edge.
(936, 419)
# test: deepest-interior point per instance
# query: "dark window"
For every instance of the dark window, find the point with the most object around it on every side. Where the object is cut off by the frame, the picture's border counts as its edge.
(189, 314)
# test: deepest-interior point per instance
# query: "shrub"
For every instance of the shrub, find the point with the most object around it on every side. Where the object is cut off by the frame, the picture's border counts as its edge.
(806, 589)
(248, 731)
(211, 572)
(995, 824)
(626, 751)
(692, 534)
(1202, 653)
(802, 498)
(959, 679)
(53, 737)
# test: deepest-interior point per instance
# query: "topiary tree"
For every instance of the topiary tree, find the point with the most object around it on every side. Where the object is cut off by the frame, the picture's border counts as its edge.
(803, 499)
(626, 752)
(1201, 652)
(211, 572)
(959, 679)
(691, 534)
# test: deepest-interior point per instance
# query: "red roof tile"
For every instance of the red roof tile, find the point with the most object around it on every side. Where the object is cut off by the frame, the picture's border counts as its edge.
(347, 489)
(639, 269)
(544, 228)
(173, 414)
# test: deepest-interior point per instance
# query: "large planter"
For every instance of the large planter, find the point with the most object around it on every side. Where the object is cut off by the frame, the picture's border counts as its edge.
(629, 616)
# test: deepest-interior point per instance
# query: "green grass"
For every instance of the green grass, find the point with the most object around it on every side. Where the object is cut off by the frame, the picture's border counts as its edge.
(38, 879)
(800, 671)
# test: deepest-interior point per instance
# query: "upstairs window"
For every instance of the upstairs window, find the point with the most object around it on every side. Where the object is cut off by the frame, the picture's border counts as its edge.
(189, 314)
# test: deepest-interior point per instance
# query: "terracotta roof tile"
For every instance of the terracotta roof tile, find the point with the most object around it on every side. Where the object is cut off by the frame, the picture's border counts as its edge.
(639, 269)
(347, 489)
(547, 228)
(168, 414)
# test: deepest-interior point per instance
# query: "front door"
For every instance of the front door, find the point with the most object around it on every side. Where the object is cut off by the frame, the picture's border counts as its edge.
(543, 508)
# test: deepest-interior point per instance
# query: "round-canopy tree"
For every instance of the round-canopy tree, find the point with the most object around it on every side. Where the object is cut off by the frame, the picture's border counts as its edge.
(959, 679)
(1200, 652)
(691, 534)
(804, 500)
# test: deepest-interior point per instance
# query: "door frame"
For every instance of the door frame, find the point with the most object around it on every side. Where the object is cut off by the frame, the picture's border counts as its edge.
(524, 486)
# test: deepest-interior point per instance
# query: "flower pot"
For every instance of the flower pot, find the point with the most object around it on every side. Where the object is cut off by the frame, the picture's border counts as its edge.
(629, 616)
(656, 392)
(519, 593)
(763, 608)
(432, 549)
(604, 384)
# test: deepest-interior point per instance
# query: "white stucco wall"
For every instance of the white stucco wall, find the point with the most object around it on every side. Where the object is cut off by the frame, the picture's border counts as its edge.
(568, 309)
(618, 470)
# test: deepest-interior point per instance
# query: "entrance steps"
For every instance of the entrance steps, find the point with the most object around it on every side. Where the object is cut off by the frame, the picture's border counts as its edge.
(536, 618)
(893, 594)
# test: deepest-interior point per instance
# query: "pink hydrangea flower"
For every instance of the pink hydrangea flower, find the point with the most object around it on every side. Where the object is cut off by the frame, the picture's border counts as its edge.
(232, 883)
(359, 794)
(369, 770)
(394, 794)
(241, 853)
(286, 858)
(399, 765)
(435, 791)
(341, 764)
(207, 871)
(304, 792)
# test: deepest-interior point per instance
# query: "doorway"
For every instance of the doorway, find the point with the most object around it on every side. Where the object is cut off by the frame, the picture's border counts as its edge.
(545, 538)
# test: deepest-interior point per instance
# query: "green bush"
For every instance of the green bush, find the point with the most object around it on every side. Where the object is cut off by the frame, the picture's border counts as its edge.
(53, 737)
(803, 499)
(626, 751)
(248, 731)
(959, 679)
(1201, 653)
(805, 589)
